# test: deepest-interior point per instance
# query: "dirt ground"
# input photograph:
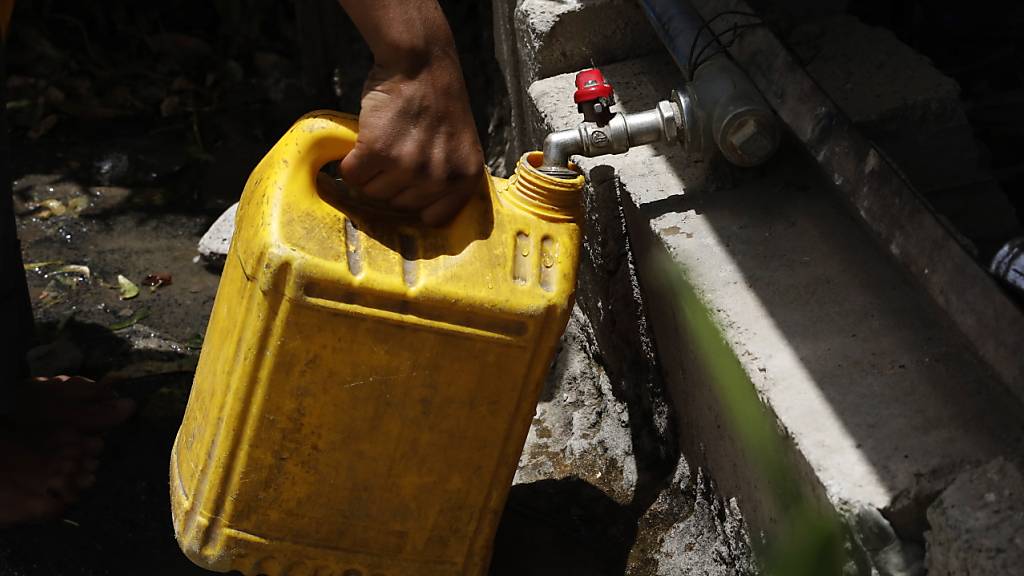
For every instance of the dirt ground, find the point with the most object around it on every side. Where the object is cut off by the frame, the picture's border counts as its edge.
(133, 128)
(123, 526)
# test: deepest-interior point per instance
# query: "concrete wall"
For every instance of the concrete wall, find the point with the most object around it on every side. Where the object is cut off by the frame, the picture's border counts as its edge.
(537, 39)
(875, 397)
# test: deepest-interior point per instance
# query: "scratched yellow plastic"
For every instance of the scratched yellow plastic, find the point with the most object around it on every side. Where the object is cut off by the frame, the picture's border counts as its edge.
(366, 385)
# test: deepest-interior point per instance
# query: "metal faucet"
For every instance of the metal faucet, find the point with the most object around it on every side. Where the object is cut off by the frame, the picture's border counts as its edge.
(732, 118)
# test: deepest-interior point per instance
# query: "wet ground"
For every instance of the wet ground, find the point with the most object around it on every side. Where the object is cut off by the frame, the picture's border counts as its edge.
(78, 238)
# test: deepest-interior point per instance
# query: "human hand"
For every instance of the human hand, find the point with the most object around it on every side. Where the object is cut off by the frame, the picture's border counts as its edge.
(417, 147)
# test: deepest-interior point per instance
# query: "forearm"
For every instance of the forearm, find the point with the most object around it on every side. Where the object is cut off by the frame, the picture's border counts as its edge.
(404, 35)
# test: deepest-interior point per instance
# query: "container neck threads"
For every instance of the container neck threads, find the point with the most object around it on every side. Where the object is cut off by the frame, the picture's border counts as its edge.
(551, 198)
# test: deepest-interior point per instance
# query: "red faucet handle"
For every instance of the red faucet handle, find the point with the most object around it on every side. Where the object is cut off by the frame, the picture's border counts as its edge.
(591, 86)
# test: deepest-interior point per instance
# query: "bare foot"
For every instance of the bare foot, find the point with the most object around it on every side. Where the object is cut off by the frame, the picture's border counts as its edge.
(49, 447)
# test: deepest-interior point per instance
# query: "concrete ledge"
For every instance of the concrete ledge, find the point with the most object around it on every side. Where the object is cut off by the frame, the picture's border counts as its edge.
(878, 399)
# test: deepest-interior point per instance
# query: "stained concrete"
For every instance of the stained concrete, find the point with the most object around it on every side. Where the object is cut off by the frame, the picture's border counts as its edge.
(977, 525)
(871, 387)
(913, 114)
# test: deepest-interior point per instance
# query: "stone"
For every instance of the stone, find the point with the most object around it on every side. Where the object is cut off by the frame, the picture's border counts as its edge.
(580, 428)
(213, 246)
(688, 515)
(977, 524)
(896, 96)
(148, 353)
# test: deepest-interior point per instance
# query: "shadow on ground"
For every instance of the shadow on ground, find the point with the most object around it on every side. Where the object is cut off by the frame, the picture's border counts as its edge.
(123, 526)
(564, 526)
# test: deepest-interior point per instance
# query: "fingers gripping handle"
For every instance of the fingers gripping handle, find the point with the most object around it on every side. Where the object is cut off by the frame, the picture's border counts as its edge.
(318, 138)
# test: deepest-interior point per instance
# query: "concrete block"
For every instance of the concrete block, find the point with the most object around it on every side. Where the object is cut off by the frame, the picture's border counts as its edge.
(871, 387)
(977, 525)
(539, 38)
(556, 36)
(896, 96)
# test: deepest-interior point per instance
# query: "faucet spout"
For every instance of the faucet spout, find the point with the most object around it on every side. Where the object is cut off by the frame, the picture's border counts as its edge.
(558, 147)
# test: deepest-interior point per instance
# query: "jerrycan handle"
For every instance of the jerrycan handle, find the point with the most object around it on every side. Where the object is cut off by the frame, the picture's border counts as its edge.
(317, 138)
(324, 136)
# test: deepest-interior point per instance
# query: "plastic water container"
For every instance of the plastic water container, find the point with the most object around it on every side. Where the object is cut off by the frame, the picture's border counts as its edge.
(366, 384)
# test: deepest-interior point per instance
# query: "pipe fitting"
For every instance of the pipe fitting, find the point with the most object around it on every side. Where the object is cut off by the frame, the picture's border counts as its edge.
(732, 115)
(720, 105)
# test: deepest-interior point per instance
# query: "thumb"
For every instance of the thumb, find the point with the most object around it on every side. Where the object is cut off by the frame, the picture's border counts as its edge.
(359, 166)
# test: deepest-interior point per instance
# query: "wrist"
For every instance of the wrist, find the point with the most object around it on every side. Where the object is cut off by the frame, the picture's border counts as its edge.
(411, 57)
(405, 36)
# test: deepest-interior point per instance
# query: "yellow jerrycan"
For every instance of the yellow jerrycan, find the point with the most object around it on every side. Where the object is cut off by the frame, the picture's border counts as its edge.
(366, 384)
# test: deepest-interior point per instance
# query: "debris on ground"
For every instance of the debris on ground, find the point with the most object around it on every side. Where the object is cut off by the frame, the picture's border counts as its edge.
(126, 288)
(154, 281)
(130, 321)
(71, 275)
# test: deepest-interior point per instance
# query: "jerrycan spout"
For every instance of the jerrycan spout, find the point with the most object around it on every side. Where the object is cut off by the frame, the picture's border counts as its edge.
(555, 197)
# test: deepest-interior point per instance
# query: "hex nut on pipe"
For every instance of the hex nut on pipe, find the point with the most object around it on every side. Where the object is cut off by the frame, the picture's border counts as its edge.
(749, 137)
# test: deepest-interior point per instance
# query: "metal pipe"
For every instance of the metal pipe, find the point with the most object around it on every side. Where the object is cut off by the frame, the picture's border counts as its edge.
(732, 114)
(678, 26)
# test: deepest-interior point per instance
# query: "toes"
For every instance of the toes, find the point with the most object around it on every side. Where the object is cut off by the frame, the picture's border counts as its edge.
(19, 509)
(93, 445)
(102, 416)
(73, 388)
(63, 486)
(69, 439)
(69, 477)
(85, 481)
(72, 402)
